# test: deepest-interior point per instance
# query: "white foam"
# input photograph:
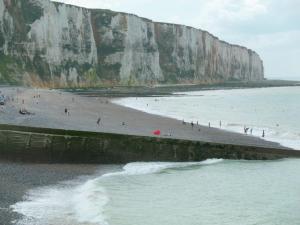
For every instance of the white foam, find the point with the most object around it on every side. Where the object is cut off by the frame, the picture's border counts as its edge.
(74, 204)
(141, 168)
(64, 204)
(285, 138)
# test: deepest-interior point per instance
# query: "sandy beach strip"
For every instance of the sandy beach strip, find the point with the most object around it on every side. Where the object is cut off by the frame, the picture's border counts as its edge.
(48, 110)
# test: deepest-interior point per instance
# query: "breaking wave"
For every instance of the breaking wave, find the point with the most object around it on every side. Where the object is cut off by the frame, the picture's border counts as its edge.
(72, 203)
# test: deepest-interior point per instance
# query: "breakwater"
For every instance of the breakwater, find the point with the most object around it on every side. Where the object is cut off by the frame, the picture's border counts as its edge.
(29, 144)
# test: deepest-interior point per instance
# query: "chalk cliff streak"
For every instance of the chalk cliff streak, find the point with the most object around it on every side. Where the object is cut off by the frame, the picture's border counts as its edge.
(53, 44)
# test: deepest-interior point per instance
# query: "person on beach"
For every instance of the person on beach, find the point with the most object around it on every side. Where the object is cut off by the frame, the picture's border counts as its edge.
(220, 123)
(192, 124)
(66, 111)
(263, 134)
(251, 131)
(208, 124)
(98, 121)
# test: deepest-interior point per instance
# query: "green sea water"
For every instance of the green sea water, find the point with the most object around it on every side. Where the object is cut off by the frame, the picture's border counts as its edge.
(227, 193)
(213, 192)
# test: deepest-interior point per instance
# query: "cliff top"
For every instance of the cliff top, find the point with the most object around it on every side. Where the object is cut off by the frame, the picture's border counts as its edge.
(156, 22)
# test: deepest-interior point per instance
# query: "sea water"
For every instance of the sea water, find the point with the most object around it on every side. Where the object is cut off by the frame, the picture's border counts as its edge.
(276, 111)
(211, 192)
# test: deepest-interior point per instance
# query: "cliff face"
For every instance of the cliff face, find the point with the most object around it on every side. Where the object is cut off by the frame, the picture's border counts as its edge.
(53, 44)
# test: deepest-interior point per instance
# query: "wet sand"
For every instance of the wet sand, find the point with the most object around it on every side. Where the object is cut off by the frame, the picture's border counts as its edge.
(49, 111)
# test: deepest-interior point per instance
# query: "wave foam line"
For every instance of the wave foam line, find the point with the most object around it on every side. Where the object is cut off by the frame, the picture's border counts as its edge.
(142, 168)
(83, 204)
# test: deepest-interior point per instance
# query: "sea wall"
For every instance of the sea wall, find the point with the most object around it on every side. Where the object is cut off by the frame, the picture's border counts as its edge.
(44, 43)
(29, 144)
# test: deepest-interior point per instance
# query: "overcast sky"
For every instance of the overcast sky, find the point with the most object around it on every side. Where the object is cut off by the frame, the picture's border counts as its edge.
(270, 27)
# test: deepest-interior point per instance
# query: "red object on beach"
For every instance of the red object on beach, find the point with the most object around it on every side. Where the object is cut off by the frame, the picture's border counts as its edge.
(156, 132)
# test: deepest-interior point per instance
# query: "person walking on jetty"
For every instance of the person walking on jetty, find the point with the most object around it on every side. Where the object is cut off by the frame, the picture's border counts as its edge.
(246, 130)
(98, 121)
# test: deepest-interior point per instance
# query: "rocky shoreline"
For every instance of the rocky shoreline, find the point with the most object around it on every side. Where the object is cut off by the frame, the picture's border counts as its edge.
(165, 90)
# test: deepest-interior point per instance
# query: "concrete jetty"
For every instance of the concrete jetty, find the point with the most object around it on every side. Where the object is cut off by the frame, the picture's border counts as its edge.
(44, 145)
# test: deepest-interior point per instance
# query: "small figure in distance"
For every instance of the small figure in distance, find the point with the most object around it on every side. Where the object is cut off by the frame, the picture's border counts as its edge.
(246, 130)
(98, 121)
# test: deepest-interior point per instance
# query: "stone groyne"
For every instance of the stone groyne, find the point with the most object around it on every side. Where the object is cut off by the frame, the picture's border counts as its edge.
(28, 144)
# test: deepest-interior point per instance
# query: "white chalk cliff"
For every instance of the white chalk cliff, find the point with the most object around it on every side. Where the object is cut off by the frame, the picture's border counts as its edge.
(53, 44)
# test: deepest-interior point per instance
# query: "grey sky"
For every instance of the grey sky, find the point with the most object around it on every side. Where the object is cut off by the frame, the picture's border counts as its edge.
(270, 27)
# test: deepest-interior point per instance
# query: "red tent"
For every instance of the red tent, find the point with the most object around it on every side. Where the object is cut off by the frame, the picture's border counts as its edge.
(156, 132)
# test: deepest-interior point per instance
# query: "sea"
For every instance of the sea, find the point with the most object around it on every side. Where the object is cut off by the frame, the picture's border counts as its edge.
(211, 192)
(276, 111)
